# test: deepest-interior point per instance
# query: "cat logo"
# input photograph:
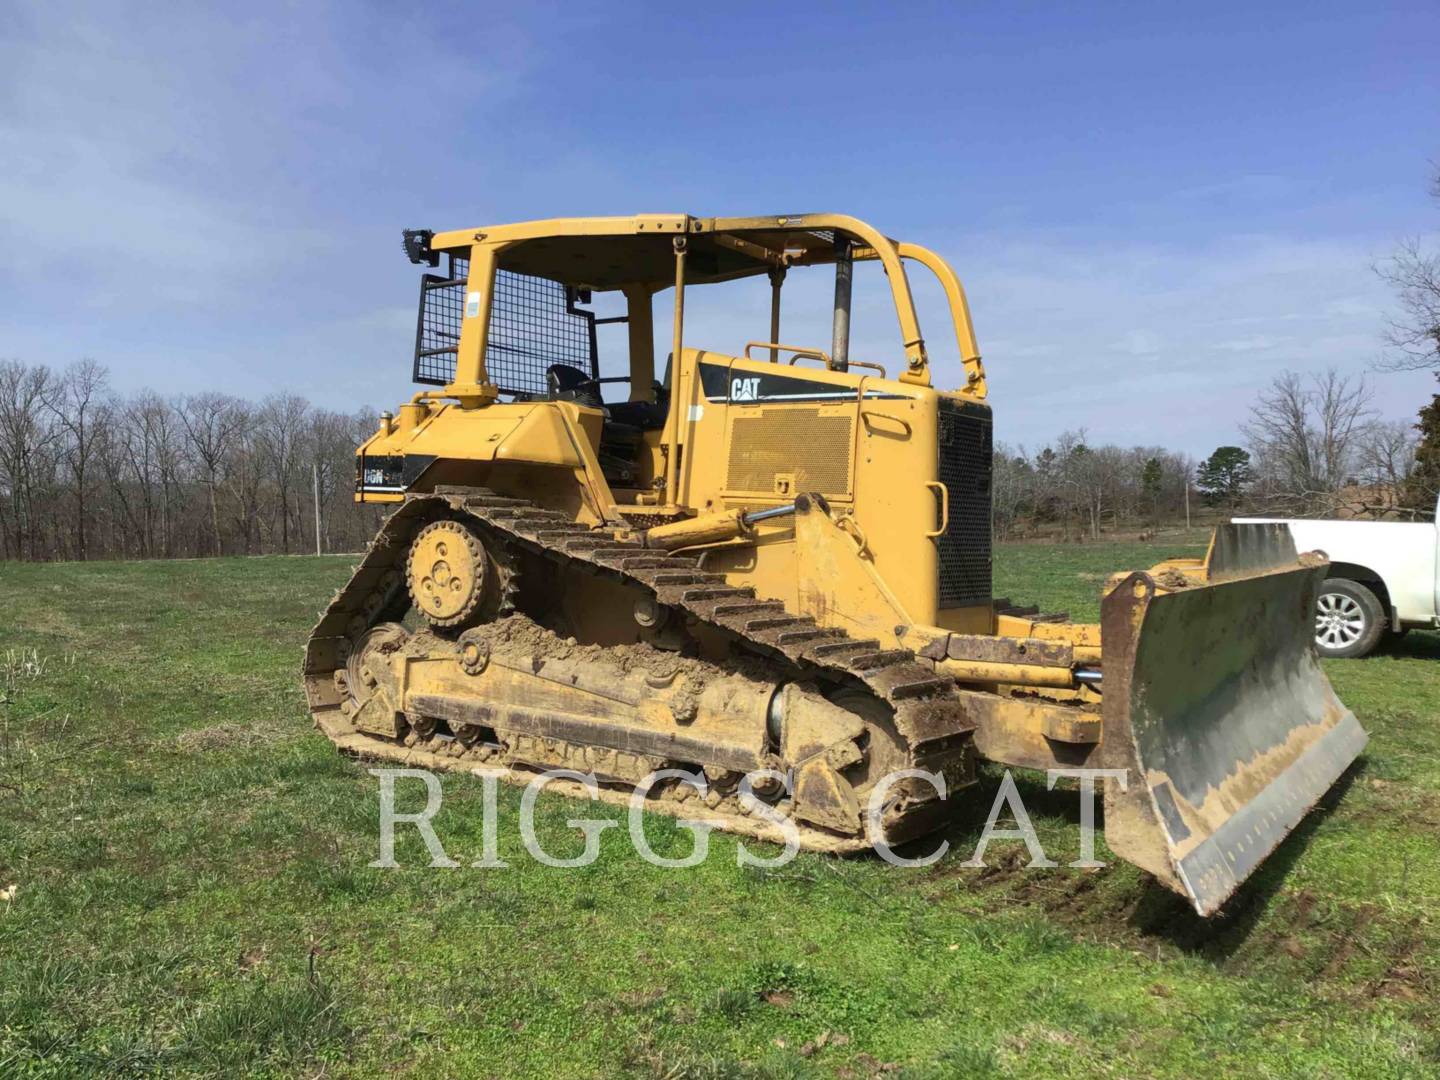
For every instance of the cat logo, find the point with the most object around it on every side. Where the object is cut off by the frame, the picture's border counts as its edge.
(745, 389)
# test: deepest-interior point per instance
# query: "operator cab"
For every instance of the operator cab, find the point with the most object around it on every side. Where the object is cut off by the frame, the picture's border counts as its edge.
(538, 336)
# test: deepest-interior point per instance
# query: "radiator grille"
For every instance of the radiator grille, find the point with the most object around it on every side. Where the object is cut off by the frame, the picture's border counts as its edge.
(815, 449)
(533, 324)
(964, 469)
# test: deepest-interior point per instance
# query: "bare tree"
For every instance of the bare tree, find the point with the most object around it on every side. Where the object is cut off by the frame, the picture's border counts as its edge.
(1386, 458)
(1097, 473)
(1012, 477)
(162, 421)
(27, 432)
(1305, 433)
(281, 421)
(210, 422)
(1343, 415)
(244, 480)
(145, 464)
(1414, 274)
(119, 462)
(330, 449)
(1281, 432)
(76, 407)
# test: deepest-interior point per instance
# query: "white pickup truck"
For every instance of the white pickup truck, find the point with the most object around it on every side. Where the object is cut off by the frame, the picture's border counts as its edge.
(1384, 575)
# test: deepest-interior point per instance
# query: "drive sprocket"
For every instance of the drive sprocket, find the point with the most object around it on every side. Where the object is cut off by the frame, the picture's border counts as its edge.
(449, 575)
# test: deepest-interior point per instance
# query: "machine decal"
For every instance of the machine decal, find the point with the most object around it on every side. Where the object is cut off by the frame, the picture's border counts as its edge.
(720, 383)
(390, 472)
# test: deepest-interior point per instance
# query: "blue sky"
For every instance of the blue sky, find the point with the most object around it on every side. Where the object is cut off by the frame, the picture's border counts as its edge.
(1154, 208)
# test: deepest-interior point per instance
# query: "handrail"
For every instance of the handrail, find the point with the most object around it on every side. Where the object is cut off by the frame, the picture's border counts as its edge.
(944, 490)
(798, 350)
(917, 363)
(959, 312)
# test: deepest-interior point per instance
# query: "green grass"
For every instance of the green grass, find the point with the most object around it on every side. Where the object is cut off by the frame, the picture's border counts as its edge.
(193, 894)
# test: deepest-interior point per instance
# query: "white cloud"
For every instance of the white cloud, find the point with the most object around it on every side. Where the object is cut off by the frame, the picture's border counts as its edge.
(1139, 343)
(1253, 344)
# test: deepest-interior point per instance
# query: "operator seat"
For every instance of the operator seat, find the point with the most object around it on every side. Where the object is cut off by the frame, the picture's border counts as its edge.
(645, 415)
(567, 383)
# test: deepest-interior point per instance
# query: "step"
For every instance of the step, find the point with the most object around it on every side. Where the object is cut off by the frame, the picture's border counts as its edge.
(536, 519)
(922, 687)
(752, 607)
(776, 622)
(718, 592)
(587, 543)
(682, 577)
(849, 645)
(879, 658)
(553, 536)
(814, 633)
(642, 562)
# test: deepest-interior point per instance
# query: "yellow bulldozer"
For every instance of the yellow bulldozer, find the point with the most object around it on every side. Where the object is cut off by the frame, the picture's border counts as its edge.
(775, 561)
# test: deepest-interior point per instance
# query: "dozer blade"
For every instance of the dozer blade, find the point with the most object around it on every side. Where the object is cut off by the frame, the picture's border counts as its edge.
(1215, 704)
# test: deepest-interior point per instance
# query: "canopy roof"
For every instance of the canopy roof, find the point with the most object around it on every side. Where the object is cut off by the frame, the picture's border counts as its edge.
(609, 253)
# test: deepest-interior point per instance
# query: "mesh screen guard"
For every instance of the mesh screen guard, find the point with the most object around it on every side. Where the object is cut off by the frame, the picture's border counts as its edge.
(533, 324)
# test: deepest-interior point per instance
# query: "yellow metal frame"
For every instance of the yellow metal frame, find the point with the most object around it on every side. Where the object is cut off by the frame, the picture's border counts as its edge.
(486, 245)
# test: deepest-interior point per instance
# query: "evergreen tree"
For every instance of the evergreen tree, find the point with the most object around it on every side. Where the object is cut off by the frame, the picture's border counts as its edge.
(1423, 484)
(1151, 477)
(1222, 476)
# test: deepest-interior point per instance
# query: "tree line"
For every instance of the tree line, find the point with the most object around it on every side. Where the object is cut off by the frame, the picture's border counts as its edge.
(89, 473)
(1313, 446)
(1074, 489)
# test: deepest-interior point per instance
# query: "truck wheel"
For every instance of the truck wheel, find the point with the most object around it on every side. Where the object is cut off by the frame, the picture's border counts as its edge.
(1348, 618)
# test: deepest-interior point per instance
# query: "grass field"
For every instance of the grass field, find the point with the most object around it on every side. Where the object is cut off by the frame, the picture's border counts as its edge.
(192, 892)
